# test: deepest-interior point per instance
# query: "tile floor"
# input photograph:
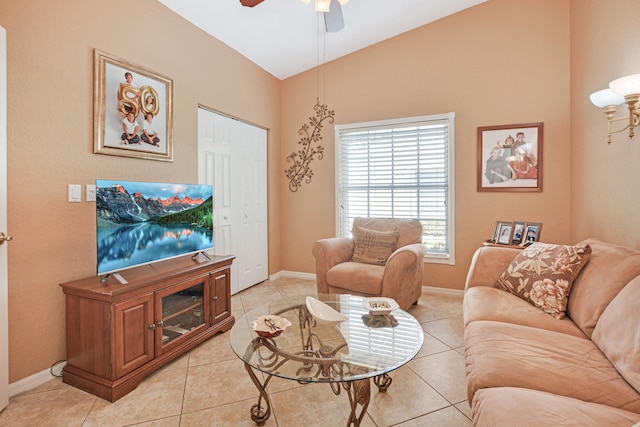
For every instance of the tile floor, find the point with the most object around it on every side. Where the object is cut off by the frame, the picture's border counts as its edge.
(209, 386)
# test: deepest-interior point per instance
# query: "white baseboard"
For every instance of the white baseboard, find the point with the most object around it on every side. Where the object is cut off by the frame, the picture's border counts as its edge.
(443, 291)
(293, 275)
(34, 380)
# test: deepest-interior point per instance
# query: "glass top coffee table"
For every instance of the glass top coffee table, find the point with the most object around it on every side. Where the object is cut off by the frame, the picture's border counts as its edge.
(345, 355)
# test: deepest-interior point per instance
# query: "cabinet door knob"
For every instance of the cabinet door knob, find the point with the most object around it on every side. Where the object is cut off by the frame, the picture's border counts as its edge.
(152, 326)
(214, 298)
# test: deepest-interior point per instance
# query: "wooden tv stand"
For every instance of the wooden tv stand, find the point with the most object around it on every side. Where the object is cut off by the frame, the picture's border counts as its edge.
(118, 334)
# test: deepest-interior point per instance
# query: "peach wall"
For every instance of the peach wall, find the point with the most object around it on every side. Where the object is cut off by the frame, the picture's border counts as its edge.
(604, 193)
(50, 133)
(501, 62)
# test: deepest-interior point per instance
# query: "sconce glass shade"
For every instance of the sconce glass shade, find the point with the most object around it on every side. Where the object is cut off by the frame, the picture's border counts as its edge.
(322, 5)
(343, 2)
(605, 97)
(627, 85)
(306, 1)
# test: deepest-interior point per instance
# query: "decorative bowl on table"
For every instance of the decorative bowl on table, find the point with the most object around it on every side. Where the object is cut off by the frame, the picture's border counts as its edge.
(270, 326)
(324, 314)
(380, 305)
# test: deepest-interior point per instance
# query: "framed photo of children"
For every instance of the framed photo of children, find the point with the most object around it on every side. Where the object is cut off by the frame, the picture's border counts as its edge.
(510, 157)
(532, 231)
(132, 109)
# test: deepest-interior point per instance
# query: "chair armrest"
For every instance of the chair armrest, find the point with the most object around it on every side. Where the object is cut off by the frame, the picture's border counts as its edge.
(402, 278)
(487, 265)
(328, 253)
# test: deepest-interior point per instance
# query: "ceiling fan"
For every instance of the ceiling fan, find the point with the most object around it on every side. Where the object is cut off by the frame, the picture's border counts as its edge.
(332, 10)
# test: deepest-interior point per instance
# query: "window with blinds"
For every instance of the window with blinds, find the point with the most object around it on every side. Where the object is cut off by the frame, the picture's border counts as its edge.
(399, 169)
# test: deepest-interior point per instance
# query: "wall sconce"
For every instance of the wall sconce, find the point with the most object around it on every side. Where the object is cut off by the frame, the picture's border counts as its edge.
(627, 90)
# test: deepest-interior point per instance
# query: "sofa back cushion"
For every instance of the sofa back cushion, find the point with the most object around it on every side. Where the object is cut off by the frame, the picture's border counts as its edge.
(617, 333)
(609, 270)
(409, 230)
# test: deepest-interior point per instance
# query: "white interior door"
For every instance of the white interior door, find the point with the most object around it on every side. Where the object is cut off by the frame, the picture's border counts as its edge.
(233, 158)
(4, 304)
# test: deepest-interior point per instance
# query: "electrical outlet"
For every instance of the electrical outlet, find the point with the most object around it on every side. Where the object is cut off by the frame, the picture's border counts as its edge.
(91, 193)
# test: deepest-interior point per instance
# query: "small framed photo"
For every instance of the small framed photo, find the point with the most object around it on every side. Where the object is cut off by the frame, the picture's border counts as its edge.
(532, 231)
(518, 231)
(496, 232)
(505, 233)
(510, 157)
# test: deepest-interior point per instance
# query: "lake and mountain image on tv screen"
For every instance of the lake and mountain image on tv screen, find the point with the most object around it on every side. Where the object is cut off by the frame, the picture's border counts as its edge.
(143, 222)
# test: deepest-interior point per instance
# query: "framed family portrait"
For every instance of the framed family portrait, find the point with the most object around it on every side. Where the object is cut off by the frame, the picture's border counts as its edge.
(510, 157)
(132, 110)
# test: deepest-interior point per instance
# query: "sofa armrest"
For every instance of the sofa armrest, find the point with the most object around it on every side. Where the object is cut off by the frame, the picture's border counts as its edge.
(328, 253)
(487, 265)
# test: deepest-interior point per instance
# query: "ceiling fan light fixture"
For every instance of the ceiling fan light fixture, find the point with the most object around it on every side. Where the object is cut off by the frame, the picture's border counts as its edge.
(322, 5)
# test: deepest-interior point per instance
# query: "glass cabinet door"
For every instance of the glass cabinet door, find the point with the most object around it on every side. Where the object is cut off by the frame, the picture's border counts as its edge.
(180, 311)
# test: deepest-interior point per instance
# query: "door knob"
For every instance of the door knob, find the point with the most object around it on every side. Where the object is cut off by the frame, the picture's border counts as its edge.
(4, 238)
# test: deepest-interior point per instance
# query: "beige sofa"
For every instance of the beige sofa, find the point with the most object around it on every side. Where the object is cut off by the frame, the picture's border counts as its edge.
(527, 368)
(398, 275)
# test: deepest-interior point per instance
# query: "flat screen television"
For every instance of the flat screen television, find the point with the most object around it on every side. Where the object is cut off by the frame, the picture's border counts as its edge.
(144, 222)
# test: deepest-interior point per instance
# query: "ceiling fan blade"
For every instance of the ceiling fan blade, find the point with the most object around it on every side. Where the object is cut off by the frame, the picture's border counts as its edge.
(250, 3)
(333, 21)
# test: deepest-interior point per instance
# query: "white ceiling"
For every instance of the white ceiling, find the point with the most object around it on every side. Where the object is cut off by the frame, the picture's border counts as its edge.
(286, 37)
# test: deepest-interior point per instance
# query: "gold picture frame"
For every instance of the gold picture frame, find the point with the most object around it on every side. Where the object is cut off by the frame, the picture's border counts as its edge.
(121, 88)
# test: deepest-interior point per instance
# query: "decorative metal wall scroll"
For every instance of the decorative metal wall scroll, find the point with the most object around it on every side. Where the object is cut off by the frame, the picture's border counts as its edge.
(300, 170)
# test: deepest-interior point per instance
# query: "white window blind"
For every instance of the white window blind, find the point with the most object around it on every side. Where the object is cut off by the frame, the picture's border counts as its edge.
(399, 169)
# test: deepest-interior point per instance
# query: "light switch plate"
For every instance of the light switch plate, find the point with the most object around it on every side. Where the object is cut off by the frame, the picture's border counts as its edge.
(75, 194)
(91, 193)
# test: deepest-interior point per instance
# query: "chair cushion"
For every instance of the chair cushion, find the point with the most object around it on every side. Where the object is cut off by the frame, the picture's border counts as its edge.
(374, 247)
(355, 277)
(543, 274)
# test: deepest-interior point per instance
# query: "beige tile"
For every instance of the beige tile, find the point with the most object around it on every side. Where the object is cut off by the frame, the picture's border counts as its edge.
(314, 405)
(465, 408)
(407, 397)
(447, 417)
(431, 345)
(217, 384)
(449, 330)
(159, 396)
(237, 414)
(180, 363)
(445, 372)
(53, 384)
(62, 406)
(435, 306)
(215, 349)
(164, 422)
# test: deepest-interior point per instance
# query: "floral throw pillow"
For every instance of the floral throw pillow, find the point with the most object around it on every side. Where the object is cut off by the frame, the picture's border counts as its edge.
(374, 247)
(543, 274)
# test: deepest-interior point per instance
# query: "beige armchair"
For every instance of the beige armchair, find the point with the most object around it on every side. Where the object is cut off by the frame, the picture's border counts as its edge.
(400, 277)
